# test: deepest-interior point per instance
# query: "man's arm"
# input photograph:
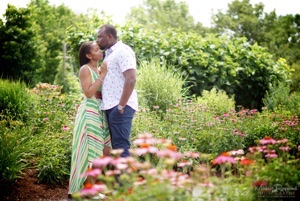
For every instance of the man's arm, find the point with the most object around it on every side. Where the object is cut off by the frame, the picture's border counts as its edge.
(129, 84)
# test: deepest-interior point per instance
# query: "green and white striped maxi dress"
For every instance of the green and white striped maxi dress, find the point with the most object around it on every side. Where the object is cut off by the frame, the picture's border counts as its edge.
(90, 135)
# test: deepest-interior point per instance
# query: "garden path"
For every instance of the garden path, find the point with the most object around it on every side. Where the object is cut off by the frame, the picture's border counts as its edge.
(29, 189)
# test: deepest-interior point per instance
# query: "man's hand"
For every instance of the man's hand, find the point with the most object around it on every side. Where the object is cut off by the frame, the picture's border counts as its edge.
(98, 95)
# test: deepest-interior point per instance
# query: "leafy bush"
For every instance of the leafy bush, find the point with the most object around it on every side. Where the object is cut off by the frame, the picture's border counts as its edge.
(13, 139)
(159, 85)
(52, 127)
(66, 78)
(193, 127)
(233, 65)
(279, 99)
(217, 100)
(295, 85)
(15, 100)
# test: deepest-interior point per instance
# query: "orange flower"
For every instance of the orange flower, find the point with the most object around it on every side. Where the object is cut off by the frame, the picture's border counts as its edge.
(145, 145)
(225, 154)
(246, 161)
(172, 147)
(88, 185)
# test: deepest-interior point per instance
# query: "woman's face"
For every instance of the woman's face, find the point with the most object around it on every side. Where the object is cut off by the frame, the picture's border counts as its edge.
(96, 52)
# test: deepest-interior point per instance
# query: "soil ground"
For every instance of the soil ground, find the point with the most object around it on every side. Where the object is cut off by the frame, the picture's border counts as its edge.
(28, 188)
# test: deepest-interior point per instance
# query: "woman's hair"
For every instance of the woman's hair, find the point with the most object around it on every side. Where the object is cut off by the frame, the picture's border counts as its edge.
(84, 49)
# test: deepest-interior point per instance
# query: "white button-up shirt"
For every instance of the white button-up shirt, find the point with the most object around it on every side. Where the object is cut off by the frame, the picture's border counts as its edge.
(120, 57)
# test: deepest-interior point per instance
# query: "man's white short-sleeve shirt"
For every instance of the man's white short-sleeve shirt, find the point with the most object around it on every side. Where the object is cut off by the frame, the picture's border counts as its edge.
(120, 57)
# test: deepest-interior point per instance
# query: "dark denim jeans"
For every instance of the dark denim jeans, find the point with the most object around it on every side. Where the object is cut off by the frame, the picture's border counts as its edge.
(120, 128)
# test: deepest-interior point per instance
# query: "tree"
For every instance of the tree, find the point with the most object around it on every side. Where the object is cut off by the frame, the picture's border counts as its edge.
(154, 14)
(19, 54)
(280, 34)
(53, 22)
(242, 20)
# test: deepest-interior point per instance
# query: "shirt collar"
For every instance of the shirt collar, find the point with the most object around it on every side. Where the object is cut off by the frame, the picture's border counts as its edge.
(112, 48)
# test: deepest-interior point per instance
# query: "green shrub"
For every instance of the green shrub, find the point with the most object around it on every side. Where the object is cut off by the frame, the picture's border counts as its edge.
(15, 100)
(51, 135)
(66, 78)
(158, 85)
(217, 100)
(13, 139)
(279, 99)
(295, 84)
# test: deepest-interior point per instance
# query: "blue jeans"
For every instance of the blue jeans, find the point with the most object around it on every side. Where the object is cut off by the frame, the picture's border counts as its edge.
(120, 128)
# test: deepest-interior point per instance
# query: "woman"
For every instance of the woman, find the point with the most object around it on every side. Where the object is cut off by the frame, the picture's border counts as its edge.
(91, 137)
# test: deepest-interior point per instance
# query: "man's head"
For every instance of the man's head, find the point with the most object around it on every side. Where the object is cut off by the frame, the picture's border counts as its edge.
(107, 36)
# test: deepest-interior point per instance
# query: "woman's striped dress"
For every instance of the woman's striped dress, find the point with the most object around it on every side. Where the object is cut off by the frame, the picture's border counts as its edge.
(90, 134)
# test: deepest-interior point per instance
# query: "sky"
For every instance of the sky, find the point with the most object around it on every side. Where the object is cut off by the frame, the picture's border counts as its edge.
(201, 10)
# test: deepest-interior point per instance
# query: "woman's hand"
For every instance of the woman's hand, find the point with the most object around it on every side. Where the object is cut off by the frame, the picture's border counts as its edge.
(103, 68)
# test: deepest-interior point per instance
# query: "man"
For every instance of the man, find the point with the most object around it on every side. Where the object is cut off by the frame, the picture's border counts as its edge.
(119, 97)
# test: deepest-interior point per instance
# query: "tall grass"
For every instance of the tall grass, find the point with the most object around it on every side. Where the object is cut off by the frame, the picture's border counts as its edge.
(281, 99)
(15, 100)
(13, 140)
(158, 85)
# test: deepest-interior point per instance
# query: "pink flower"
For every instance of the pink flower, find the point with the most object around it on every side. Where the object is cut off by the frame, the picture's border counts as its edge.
(253, 111)
(92, 173)
(102, 162)
(236, 152)
(192, 154)
(267, 140)
(236, 132)
(284, 148)
(225, 115)
(271, 154)
(207, 184)
(255, 149)
(184, 163)
(169, 153)
(65, 128)
(224, 158)
(142, 151)
(92, 190)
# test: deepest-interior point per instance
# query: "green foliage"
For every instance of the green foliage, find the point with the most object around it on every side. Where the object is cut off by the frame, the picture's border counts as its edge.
(295, 84)
(217, 100)
(86, 30)
(18, 45)
(15, 100)
(48, 18)
(279, 99)
(66, 78)
(279, 34)
(154, 14)
(192, 127)
(52, 132)
(278, 166)
(159, 85)
(12, 149)
(232, 65)
(243, 19)
(45, 141)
